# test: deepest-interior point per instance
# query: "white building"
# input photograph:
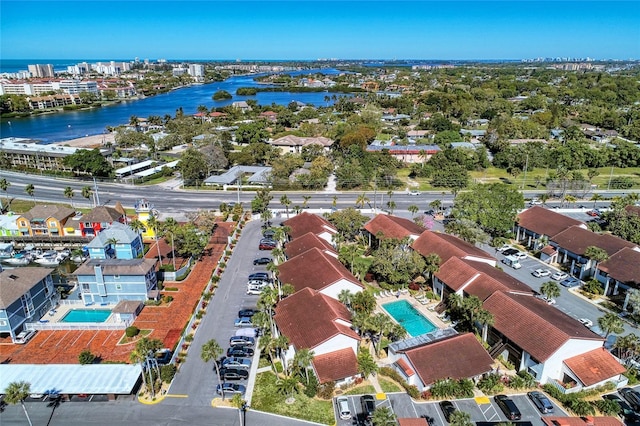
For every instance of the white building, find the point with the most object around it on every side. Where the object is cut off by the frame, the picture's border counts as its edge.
(41, 70)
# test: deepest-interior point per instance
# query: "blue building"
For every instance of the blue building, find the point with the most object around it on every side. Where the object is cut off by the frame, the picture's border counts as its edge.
(26, 295)
(117, 241)
(113, 280)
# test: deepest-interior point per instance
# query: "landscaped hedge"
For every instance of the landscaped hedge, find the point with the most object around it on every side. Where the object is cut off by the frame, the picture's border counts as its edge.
(394, 375)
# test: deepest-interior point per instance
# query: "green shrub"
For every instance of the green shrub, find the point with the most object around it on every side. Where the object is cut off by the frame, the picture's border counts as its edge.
(167, 372)
(132, 331)
(311, 388)
(188, 338)
(491, 384)
(171, 288)
(632, 375)
(608, 407)
(413, 391)
(167, 299)
(86, 357)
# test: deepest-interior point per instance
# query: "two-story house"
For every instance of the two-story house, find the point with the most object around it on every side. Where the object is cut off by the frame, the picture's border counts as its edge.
(26, 294)
(43, 220)
(99, 218)
(306, 222)
(116, 241)
(113, 280)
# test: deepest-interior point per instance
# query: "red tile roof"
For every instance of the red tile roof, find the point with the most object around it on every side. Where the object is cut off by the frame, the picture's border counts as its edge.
(446, 246)
(536, 327)
(314, 269)
(492, 279)
(545, 222)
(624, 267)
(576, 240)
(455, 273)
(408, 421)
(594, 366)
(103, 214)
(335, 365)
(406, 368)
(307, 222)
(633, 210)
(549, 250)
(580, 421)
(305, 243)
(309, 318)
(458, 357)
(393, 227)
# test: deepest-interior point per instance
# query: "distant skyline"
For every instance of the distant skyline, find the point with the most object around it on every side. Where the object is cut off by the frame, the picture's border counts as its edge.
(209, 30)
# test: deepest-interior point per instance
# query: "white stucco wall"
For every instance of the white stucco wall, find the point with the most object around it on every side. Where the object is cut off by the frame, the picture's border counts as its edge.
(553, 367)
(336, 343)
(334, 289)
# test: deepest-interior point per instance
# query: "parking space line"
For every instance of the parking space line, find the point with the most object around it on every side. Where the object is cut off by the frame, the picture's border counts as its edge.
(484, 412)
(438, 412)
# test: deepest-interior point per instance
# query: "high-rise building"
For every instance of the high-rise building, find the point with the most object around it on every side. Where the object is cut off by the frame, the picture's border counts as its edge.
(196, 70)
(41, 70)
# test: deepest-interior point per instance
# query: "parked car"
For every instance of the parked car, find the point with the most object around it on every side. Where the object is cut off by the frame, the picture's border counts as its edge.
(594, 213)
(233, 374)
(368, 404)
(342, 404)
(24, 336)
(262, 261)
(508, 407)
(243, 322)
(632, 397)
(233, 362)
(266, 246)
(242, 341)
(253, 290)
(586, 322)
(626, 412)
(559, 276)
(541, 402)
(512, 261)
(520, 255)
(163, 356)
(548, 301)
(448, 409)
(570, 282)
(510, 252)
(504, 247)
(246, 312)
(240, 352)
(535, 202)
(259, 276)
(230, 388)
(268, 233)
(540, 273)
(259, 283)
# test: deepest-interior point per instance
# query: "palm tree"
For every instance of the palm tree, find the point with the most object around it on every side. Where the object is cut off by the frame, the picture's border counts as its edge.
(212, 350)
(391, 205)
(436, 205)
(305, 201)
(334, 202)
(145, 347)
(87, 192)
(383, 416)
(361, 200)
(570, 199)
(550, 290)
(610, 323)
(596, 254)
(595, 198)
(432, 265)
(4, 185)
(68, 193)
(302, 359)
(137, 226)
(286, 202)
(413, 209)
(380, 324)
(460, 418)
(287, 386)
(17, 392)
(345, 297)
(30, 190)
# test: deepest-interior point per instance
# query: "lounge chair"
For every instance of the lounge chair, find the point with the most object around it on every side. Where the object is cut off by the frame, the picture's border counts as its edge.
(424, 301)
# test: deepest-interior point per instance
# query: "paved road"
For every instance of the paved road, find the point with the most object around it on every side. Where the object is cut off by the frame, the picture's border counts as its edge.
(195, 378)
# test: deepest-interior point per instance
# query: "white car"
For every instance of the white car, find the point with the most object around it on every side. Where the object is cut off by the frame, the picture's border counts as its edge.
(414, 192)
(520, 255)
(545, 300)
(24, 336)
(539, 273)
(535, 202)
(559, 276)
(503, 248)
(586, 322)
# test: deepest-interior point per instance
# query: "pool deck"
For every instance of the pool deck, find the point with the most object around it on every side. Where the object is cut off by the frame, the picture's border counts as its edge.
(56, 315)
(425, 310)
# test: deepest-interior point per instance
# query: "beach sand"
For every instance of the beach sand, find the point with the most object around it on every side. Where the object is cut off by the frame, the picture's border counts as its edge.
(95, 141)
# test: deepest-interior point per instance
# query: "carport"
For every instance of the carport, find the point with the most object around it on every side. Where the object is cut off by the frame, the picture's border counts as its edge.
(70, 379)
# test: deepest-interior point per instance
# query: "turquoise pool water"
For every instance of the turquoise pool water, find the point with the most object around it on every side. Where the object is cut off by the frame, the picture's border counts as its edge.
(409, 317)
(86, 315)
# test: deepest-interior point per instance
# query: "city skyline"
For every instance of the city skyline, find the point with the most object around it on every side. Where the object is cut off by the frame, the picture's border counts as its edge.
(287, 30)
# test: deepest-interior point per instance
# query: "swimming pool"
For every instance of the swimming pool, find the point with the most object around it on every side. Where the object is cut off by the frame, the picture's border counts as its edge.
(409, 317)
(86, 315)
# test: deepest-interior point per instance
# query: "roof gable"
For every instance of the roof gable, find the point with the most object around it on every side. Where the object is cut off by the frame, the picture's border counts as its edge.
(491, 279)
(446, 246)
(305, 243)
(545, 222)
(102, 214)
(131, 267)
(309, 318)
(458, 357)
(335, 365)
(307, 222)
(536, 327)
(393, 227)
(16, 282)
(314, 269)
(594, 366)
(623, 266)
(43, 212)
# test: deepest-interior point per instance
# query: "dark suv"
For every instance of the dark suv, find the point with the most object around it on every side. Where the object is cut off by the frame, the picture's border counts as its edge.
(632, 397)
(508, 407)
(368, 403)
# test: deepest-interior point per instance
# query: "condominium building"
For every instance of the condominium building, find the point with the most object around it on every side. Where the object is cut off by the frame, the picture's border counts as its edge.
(41, 70)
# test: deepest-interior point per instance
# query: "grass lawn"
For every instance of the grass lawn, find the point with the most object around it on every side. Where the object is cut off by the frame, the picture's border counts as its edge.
(266, 398)
(388, 385)
(361, 390)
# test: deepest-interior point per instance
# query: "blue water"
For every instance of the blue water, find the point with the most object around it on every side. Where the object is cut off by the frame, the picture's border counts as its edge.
(74, 124)
(86, 315)
(409, 318)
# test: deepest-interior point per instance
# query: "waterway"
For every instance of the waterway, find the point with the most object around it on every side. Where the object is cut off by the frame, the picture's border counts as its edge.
(61, 126)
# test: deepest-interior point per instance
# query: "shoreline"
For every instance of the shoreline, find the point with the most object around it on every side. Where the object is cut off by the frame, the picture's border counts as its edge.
(89, 141)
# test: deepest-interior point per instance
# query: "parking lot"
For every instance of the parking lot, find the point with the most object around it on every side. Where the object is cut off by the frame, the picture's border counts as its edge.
(482, 409)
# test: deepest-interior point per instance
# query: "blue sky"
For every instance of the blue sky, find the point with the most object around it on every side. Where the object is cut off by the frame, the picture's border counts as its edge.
(318, 29)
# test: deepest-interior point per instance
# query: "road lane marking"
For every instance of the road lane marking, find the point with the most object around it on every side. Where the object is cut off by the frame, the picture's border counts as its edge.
(175, 395)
